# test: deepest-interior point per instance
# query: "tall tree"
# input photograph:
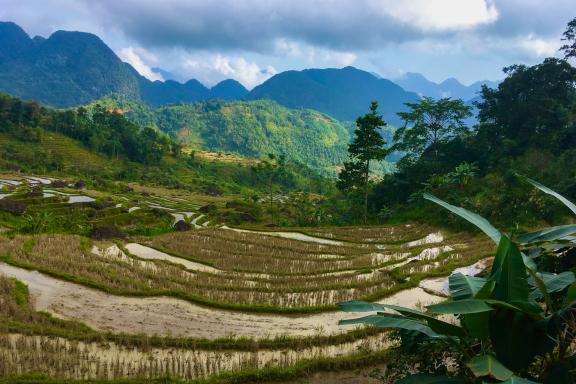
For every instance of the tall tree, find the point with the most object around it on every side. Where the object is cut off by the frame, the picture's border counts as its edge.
(569, 37)
(429, 123)
(367, 145)
(532, 108)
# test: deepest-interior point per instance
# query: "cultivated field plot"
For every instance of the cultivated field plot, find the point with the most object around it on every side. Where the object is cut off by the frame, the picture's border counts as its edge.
(69, 206)
(209, 300)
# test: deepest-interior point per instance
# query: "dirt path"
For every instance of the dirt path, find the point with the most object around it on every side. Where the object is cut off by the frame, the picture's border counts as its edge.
(169, 316)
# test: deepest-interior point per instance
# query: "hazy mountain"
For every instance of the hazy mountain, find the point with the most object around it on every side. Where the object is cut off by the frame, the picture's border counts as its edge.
(342, 93)
(451, 87)
(228, 90)
(73, 68)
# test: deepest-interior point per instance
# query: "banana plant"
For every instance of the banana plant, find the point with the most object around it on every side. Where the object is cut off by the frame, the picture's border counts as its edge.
(507, 320)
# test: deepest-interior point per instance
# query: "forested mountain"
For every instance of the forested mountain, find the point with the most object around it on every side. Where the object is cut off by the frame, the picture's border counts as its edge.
(74, 68)
(253, 129)
(415, 82)
(69, 68)
(342, 93)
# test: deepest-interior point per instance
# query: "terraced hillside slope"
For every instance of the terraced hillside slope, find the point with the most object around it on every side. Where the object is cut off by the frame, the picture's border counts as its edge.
(209, 301)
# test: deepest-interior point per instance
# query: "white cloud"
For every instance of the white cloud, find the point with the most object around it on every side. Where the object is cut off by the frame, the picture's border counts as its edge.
(211, 69)
(314, 55)
(130, 56)
(441, 15)
(539, 47)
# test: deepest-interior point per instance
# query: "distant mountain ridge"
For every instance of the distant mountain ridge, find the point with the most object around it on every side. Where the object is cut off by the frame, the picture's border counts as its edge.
(74, 68)
(451, 87)
(342, 93)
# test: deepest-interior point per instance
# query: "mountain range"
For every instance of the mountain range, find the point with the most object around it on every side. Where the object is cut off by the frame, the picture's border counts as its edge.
(74, 68)
(451, 87)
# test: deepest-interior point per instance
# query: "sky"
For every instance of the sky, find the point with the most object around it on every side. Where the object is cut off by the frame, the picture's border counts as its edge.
(251, 40)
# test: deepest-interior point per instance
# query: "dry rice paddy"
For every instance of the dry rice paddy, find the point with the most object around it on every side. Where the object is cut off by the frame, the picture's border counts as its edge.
(211, 284)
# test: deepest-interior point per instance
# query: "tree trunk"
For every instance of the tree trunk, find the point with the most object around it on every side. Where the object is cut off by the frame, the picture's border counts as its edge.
(366, 175)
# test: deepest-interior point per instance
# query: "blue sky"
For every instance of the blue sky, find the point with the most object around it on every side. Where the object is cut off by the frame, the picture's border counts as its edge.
(251, 40)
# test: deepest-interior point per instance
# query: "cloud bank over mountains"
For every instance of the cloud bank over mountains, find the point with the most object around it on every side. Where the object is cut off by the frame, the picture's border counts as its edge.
(252, 40)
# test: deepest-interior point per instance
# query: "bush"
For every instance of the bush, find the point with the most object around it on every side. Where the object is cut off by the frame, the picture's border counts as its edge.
(182, 226)
(13, 206)
(107, 232)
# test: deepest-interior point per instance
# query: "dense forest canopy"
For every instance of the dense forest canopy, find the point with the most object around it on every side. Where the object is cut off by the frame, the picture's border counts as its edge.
(101, 130)
(527, 125)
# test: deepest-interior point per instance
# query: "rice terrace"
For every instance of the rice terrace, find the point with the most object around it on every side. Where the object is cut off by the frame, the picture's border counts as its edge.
(303, 192)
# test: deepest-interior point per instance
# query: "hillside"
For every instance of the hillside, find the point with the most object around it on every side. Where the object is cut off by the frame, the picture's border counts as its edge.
(101, 147)
(254, 129)
(342, 93)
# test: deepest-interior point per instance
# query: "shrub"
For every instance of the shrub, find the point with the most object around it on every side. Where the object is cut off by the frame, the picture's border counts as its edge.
(107, 232)
(182, 226)
(13, 206)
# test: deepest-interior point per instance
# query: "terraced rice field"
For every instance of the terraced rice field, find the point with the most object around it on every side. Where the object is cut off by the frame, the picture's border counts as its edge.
(212, 300)
(129, 211)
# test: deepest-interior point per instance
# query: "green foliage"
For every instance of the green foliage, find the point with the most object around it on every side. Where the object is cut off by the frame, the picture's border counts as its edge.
(527, 125)
(367, 145)
(428, 123)
(569, 36)
(253, 129)
(511, 327)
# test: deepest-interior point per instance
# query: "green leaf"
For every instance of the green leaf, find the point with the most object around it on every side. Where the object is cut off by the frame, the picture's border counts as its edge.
(477, 324)
(473, 218)
(552, 282)
(539, 289)
(548, 234)
(509, 273)
(487, 365)
(360, 306)
(549, 191)
(464, 287)
(486, 291)
(518, 380)
(429, 379)
(461, 307)
(388, 320)
(571, 295)
(438, 326)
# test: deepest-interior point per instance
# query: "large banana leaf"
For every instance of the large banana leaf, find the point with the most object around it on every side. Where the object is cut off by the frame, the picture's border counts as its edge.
(388, 320)
(570, 295)
(551, 192)
(461, 307)
(553, 282)
(487, 365)
(477, 324)
(436, 325)
(509, 273)
(429, 379)
(473, 218)
(468, 306)
(518, 380)
(548, 234)
(464, 287)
